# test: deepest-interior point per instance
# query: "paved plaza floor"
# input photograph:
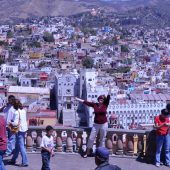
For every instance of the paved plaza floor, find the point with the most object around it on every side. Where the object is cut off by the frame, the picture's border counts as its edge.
(76, 162)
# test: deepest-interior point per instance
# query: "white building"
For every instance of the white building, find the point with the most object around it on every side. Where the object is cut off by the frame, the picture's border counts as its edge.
(142, 112)
(9, 69)
(66, 88)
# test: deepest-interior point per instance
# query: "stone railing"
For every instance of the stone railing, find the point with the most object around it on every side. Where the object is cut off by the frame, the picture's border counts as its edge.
(119, 142)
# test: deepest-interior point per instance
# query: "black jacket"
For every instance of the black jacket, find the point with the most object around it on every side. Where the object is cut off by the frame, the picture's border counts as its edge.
(107, 166)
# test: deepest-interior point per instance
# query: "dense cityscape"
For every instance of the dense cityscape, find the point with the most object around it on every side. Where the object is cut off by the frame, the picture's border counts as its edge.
(83, 79)
(49, 61)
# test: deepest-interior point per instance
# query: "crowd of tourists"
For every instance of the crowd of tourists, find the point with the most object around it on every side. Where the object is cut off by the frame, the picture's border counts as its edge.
(13, 128)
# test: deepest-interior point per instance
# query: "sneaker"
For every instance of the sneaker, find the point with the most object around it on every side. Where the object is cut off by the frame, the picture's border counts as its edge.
(157, 164)
(7, 155)
(23, 165)
(168, 165)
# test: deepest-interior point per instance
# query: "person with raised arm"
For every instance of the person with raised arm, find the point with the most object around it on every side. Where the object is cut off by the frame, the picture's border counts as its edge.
(100, 120)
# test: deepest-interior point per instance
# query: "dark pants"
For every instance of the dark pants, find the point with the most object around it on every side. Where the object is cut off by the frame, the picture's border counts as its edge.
(45, 160)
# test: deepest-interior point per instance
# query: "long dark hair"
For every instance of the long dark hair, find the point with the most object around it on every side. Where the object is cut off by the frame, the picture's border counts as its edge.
(17, 104)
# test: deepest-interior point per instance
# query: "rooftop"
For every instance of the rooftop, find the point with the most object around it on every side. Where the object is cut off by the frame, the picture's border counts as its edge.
(74, 162)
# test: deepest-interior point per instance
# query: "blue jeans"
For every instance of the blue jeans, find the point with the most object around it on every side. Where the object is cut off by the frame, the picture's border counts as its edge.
(11, 142)
(45, 160)
(160, 140)
(20, 147)
(2, 166)
(167, 148)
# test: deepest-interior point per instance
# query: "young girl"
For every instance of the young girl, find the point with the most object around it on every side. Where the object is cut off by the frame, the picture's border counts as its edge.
(47, 146)
(100, 120)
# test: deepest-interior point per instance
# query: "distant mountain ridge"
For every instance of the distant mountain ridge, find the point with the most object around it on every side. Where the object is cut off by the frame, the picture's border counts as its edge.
(21, 9)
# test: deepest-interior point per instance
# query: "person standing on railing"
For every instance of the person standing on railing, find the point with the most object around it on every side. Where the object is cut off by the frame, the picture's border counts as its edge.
(3, 141)
(162, 124)
(100, 120)
(20, 119)
(47, 148)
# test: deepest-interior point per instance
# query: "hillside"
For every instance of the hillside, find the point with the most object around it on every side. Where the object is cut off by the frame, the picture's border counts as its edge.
(11, 10)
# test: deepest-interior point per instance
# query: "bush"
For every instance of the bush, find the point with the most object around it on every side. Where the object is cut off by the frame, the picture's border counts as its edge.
(48, 37)
(88, 62)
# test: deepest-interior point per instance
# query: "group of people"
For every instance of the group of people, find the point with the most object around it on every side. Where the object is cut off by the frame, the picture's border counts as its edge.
(14, 143)
(11, 143)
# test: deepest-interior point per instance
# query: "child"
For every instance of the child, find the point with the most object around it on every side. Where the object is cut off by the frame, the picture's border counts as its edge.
(47, 146)
(162, 127)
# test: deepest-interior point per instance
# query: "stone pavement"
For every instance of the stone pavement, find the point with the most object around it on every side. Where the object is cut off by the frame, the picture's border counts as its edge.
(75, 162)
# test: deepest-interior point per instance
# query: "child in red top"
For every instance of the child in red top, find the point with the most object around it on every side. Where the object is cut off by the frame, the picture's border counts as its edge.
(162, 124)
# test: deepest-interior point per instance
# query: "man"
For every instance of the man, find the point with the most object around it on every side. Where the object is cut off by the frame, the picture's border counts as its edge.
(102, 160)
(9, 112)
(3, 141)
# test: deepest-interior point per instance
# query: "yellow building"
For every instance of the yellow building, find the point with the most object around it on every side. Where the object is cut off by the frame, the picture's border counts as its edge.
(42, 118)
(36, 55)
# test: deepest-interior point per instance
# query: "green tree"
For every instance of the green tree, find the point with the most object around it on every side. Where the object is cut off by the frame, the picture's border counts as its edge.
(2, 61)
(88, 62)
(124, 49)
(10, 34)
(3, 43)
(48, 37)
(17, 48)
(35, 44)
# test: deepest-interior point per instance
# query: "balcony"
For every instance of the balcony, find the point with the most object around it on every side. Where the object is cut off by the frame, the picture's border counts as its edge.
(128, 149)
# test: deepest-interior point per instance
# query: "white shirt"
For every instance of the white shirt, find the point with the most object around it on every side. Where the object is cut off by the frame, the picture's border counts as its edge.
(47, 142)
(9, 114)
(20, 117)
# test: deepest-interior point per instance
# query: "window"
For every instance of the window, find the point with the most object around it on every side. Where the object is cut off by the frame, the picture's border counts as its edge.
(69, 106)
(41, 122)
(68, 98)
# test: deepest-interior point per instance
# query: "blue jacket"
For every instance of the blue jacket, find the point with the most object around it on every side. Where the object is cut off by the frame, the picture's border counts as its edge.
(107, 166)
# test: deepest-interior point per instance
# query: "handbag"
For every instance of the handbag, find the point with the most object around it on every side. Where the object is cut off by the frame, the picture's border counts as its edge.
(14, 128)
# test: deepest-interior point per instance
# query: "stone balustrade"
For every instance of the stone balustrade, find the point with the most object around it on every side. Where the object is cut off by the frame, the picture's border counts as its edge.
(119, 142)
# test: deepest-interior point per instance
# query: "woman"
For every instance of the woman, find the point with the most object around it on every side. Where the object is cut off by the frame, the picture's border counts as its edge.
(21, 120)
(100, 120)
(3, 141)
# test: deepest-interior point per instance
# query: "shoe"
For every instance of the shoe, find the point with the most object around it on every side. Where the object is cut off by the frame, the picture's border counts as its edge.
(85, 156)
(7, 155)
(157, 165)
(23, 165)
(168, 165)
(11, 162)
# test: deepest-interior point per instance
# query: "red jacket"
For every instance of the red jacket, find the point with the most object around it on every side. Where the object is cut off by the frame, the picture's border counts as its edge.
(159, 121)
(3, 138)
(100, 110)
